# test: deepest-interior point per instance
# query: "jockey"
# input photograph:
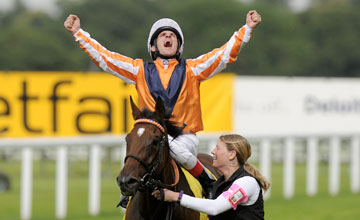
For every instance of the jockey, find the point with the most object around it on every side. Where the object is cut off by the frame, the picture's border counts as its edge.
(174, 79)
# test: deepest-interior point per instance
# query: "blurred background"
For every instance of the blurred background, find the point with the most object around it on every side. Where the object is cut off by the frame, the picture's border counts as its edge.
(296, 38)
(296, 96)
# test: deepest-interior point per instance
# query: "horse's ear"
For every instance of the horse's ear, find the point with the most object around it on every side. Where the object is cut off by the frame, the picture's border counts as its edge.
(135, 110)
(160, 108)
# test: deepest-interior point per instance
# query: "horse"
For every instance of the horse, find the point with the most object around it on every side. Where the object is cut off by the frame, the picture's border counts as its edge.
(149, 166)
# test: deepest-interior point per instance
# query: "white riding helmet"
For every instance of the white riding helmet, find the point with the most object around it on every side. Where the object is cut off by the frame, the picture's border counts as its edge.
(161, 25)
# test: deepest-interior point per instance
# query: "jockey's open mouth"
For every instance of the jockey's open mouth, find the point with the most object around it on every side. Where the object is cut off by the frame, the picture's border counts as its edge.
(167, 43)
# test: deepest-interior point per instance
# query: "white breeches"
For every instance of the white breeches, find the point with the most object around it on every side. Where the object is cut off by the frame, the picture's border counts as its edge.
(184, 149)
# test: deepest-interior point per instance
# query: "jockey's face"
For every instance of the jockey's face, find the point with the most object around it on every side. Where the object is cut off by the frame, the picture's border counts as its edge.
(167, 43)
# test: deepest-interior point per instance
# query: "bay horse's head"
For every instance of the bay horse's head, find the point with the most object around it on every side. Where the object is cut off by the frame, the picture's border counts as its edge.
(147, 149)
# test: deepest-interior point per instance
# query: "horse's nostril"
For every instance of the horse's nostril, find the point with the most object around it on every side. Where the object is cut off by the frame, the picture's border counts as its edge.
(131, 181)
(126, 181)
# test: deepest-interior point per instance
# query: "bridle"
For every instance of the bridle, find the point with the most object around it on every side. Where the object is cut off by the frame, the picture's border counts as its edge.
(147, 180)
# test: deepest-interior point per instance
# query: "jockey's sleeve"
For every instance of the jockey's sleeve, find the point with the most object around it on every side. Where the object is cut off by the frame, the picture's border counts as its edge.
(117, 64)
(244, 191)
(209, 64)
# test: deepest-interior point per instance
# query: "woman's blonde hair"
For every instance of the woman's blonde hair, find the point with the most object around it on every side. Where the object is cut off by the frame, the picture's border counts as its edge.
(243, 152)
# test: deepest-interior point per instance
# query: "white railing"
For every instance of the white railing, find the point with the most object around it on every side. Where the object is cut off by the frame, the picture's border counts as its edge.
(265, 150)
(28, 145)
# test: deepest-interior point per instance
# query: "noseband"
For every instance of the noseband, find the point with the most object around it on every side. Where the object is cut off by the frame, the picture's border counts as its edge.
(147, 179)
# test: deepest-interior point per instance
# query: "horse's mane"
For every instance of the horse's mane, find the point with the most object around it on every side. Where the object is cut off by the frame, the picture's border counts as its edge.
(170, 125)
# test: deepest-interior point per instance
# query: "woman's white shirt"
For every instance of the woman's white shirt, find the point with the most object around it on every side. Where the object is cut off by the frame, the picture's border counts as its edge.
(244, 191)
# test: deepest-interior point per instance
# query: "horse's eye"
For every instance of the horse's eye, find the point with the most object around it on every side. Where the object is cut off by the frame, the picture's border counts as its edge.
(155, 142)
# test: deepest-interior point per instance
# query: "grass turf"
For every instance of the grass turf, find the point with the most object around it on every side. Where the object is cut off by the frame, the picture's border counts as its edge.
(300, 207)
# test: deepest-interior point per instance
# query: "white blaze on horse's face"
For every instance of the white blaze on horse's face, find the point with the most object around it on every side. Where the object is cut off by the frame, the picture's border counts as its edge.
(140, 131)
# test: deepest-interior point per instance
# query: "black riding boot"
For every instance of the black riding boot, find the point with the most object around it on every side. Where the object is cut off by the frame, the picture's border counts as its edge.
(206, 183)
(124, 200)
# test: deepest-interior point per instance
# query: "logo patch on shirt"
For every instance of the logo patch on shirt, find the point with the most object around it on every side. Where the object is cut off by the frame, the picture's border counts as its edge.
(236, 197)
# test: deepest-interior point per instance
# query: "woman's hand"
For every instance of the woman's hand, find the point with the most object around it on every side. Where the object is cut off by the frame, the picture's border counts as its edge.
(169, 196)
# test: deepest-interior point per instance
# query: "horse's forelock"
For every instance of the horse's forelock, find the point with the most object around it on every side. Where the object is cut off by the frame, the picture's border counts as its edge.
(146, 113)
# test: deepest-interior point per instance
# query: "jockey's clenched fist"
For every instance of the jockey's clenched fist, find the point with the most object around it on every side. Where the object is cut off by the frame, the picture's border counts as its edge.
(72, 23)
(253, 19)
